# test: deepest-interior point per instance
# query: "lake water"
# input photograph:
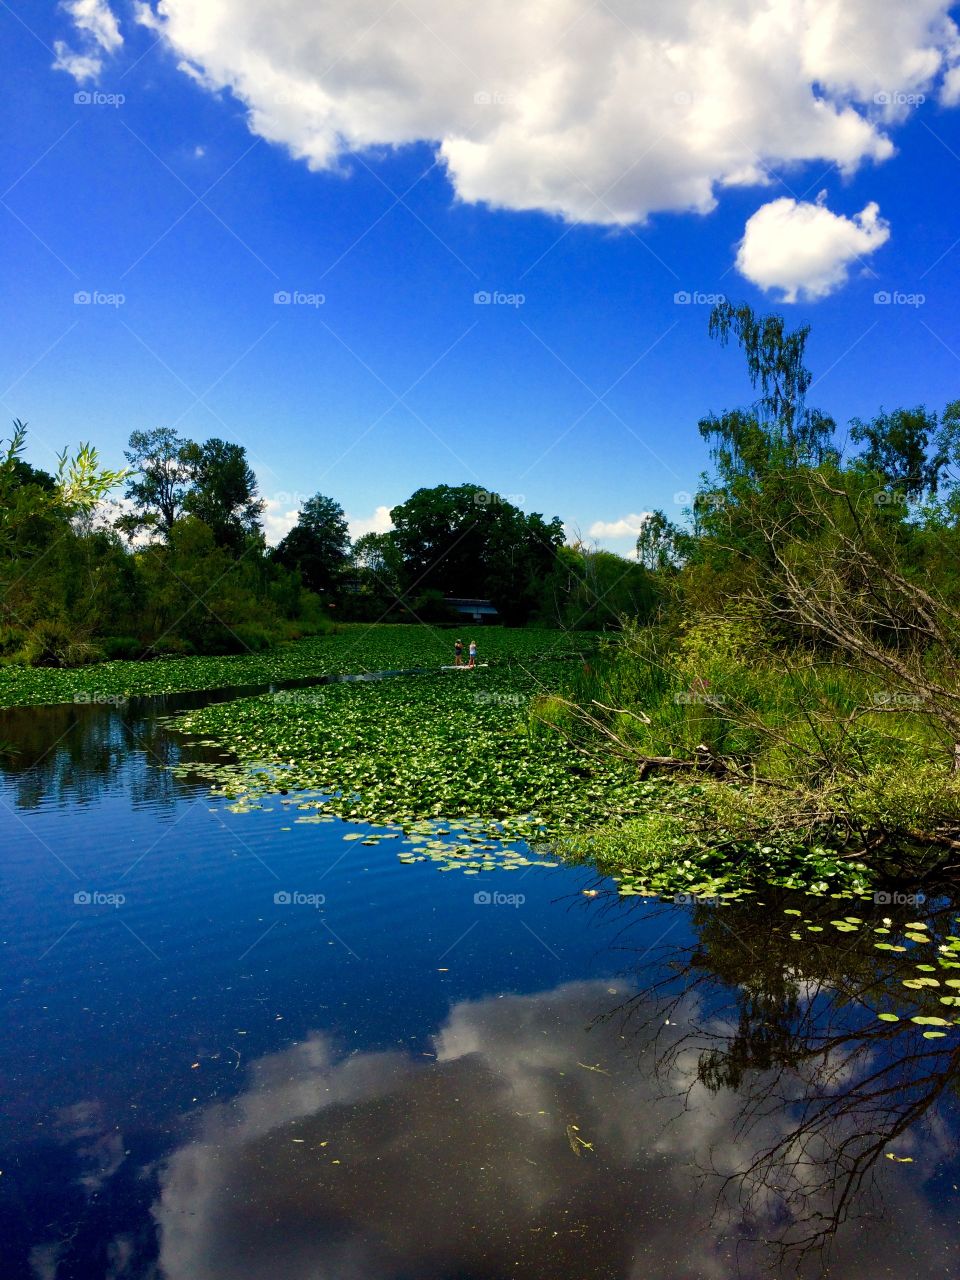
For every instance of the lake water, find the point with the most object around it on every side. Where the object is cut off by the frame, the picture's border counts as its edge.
(238, 1047)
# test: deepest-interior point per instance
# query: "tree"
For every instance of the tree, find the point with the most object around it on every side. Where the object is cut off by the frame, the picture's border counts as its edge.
(778, 427)
(162, 473)
(318, 546)
(658, 543)
(223, 492)
(898, 449)
(28, 495)
(467, 541)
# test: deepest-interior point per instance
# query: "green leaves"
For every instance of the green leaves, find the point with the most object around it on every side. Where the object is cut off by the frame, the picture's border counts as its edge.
(356, 649)
(422, 747)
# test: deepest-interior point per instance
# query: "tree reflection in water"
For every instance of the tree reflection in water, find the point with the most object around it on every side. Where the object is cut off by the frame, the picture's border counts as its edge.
(825, 1092)
(77, 754)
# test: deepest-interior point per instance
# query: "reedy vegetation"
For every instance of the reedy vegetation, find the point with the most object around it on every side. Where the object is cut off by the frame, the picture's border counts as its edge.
(805, 661)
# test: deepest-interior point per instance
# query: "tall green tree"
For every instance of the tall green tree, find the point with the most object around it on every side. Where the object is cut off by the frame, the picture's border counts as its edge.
(161, 474)
(779, 428)
(223, 492)
(318, 546)
(464, 540)
(904, 448)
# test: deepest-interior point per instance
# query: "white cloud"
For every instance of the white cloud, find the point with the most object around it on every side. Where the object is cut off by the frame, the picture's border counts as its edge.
(626, 527)
(281, 510)
(280, 515)
(95, 19)
(379, 522)
(82, 66)
(603, 113)
(804, 249)
(98, 32)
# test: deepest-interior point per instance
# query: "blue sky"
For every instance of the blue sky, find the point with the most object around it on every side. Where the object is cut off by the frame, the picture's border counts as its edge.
(184, 191)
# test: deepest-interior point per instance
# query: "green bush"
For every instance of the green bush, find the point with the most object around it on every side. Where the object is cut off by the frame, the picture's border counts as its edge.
(52, 643)
(121, 647)
(170, 647)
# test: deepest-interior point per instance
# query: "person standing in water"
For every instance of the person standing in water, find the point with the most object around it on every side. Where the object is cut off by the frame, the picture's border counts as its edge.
(458, 654)
(473, 654)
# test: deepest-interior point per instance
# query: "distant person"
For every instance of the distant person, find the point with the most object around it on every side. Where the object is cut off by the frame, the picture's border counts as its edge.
(473, 654)
(458, 654)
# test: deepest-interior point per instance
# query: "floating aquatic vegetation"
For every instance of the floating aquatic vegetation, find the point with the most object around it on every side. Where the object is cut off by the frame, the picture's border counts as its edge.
(357, 648)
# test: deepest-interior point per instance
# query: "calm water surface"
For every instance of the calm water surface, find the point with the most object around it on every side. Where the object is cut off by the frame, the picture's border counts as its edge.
(383, 1078)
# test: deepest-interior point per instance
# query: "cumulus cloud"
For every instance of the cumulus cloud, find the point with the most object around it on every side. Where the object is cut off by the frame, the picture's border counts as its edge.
(281, 510)
(279, 515)
(98, 33)
(95, 19)
(379, 522)
(602, 113)
(626, 527)
(82, 66)
(804, 249)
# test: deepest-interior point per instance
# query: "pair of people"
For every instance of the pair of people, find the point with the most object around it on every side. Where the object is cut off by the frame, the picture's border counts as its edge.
(458, 654)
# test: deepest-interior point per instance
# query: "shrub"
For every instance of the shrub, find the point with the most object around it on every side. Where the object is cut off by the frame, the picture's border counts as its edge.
(52, 643)
(122, 647)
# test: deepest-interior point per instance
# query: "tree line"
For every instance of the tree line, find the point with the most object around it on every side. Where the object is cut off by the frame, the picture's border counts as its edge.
(182, 565)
